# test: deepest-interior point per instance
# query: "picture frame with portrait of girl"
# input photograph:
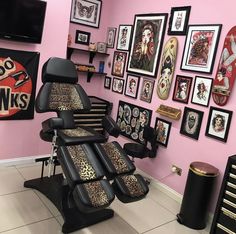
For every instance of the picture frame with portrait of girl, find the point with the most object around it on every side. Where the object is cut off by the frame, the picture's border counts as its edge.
(118, 64)
(147, 90)
(162, 128)
(218, 123)
(182, 88)
(132, 85)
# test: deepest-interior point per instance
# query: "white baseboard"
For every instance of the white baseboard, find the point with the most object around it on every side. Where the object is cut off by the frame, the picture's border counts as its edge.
(20, 161)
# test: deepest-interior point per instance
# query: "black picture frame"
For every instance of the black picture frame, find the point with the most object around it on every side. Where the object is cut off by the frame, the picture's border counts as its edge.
(182, 88)
(93, 12)
(147, 90)
(132, 119)
(82, 37)
(202, 91)
(132, 86)
(191, 122)
(200, 48)
(124, 37)
(119, 63)
(218, 123)
(178, 21)
(107, 82)
(153, 26)
(118, 85)
(162, 128)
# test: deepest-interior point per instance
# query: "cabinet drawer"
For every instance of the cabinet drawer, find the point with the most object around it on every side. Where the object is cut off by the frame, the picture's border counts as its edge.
(231, 187)
(220, 229)
(232, 178)
(233, 168)
(228, 219)
(229, 205)
(230, 196)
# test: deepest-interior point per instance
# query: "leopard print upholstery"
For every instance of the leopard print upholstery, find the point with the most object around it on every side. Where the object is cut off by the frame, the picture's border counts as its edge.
(116, 157)
(64, 97)
(132, 184)
(96, 193)
(80, 160)
(78, 132)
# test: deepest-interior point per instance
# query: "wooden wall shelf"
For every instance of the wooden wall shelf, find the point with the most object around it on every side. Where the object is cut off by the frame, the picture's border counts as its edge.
(170, 112)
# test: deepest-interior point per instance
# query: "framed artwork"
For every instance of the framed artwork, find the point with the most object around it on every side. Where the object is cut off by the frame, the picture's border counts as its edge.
(107, 82)
(162, 128)
(146, 44)
(131, 119)
(118, 65)
(202, 91)
(101, 47)
(147, 90)
(178, 21)
(218, 123)
(182, 88)
(86, 12)
(200, 47)
(191, 123)
(132, 85)
(82, 37)
(111, 35)
(124, 36)
(118, 85)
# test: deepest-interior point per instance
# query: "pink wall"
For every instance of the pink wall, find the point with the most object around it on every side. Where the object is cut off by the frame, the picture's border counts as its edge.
(21, 138)
(181, 150)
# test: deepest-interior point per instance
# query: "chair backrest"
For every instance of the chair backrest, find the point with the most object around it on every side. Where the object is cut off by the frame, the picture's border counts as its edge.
(60, 92)
(150, 135)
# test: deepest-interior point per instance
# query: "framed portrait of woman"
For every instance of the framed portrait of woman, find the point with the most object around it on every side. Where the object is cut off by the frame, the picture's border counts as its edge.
(118, 65)
(218, 123)
(147, 90)
(132, 85)
(162, 128)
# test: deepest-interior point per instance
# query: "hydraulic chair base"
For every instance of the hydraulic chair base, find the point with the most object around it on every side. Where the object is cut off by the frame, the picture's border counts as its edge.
(54, 189)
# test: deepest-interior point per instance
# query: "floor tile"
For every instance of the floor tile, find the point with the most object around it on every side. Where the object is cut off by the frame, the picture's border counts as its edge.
(49, 226)
(11, 181)
(20, 209)
(172, 228)
(143, 215)
(115, 225)
(30, 172)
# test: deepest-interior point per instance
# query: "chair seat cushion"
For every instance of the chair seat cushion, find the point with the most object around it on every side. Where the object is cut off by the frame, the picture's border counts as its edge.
(93, 196)
(130, 188)
(135, 150)
(79, 163)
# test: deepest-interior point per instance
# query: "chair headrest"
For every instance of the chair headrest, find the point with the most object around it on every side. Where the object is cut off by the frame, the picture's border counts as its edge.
(59, 70)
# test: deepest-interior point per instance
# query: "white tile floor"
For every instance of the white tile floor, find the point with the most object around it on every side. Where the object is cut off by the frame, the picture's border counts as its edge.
(26, 211)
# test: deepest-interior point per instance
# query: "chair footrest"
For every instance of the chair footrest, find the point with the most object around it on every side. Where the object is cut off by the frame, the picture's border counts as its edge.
(93, 196)
(130, 188)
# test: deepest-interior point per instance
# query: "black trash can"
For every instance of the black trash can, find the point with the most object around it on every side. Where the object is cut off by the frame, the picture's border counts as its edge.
(197, 194)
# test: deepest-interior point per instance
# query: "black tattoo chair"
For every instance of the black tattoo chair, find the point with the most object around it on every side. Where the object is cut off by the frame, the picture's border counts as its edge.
(94, 170)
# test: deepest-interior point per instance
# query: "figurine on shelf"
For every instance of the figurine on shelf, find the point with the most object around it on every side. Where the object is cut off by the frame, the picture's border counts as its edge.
(92, 46)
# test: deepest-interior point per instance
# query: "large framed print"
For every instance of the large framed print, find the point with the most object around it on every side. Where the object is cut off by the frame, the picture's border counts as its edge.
(124, 36)
(218, 123)
(200, 48)
(86, 12)
(202, 90)
(131, 119)
(162, 128)
(191, 122)
(146, 44)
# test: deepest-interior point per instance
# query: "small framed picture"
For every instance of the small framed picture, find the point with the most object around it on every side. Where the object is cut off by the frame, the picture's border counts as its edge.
(178, 21)
(107, 82)
(147, 90)
(124, 36)
(86, 12)
(201, 91)
(182, 88)
(218, 123)
(191, 123)
(82, 37)
(200, 48)
(118, 85)
(118, 65)
(162, 128)
(111, 35)
(101, 47)
(132, 85)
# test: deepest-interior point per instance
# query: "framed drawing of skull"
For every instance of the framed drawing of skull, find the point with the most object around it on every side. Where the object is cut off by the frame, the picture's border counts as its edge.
(178, 22)
(86, 12)
(191, 122)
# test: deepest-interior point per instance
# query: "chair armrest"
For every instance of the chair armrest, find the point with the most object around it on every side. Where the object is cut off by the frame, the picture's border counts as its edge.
(53, 123)
(111, 126)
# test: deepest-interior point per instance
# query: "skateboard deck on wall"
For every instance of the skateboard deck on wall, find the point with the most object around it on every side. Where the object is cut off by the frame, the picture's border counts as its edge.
(167, 67)
(226, 72)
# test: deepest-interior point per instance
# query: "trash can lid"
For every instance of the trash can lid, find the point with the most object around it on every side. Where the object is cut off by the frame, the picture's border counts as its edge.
(204, 169)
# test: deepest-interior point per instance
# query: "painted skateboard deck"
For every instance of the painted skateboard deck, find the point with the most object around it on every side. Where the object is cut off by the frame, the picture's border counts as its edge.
(226, 72)
(167, 68)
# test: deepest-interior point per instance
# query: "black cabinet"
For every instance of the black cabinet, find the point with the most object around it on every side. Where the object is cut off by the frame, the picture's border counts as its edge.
(225, 214)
